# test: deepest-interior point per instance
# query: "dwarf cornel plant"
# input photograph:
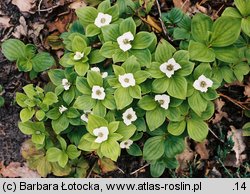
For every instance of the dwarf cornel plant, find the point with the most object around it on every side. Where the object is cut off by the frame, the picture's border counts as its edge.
(121, 83)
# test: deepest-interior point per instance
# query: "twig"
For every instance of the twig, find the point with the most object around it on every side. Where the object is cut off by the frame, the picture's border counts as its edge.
(120, 170)
(164, 28)
(91, 170)
(139, 169)
(226, 170)
(216, 135)
(48, 9)
(237, 103)
(39, 7)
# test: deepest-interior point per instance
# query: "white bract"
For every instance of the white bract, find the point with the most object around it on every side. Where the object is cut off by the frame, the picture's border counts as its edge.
(129, 116)
(85, 115)
(62, 109)
(126, 144)
(101, 133)
(102, 20)
(124, 41)
(127, 80)
(78, 55)
(66, 84)
(98, 93)
(202, 83)
(170, 67)
(163, 100)
(96, 69)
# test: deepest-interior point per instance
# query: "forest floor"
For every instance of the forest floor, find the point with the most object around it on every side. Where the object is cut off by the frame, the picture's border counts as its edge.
(40, 22)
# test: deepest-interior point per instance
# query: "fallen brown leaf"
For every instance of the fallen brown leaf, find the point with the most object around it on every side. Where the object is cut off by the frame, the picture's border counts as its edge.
(201, 8)
(184, 5)
(186, 157)
(202, 150)
(14, 170)
(77, 4)
(22, 29)
(5, 22)
(219, 103)
(24, 6)
(239, 144)
(106, 165)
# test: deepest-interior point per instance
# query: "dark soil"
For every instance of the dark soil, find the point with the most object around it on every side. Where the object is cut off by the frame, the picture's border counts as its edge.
(12, 81)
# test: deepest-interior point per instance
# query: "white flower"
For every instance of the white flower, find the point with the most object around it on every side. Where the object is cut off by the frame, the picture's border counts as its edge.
(98, 93)
(127, 80)
(66, 84)
(129, 116)
(78, 55)
(170, 67)
(85, 115)
(62, 109)
(163, 100)
(126, 144)
(103, 20)
(101, 134)
(96, 69)
(124, 41)
(202, 83)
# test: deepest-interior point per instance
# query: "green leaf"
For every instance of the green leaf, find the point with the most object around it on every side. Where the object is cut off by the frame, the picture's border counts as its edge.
(99, 109)
(155, 118)
(197, 129)
(109, 102)
(60, 124)
(201, 27)
(228, 74)
(63, 159)
(26, 128)
(141, 76)
(96, 122)
(243, 6)
(72, 152)
(182, 57)
(120, 56)
(53, 114)
(157, 169)
(127, 25)
(56, 76)
(92, 30)
(84, 102)
(240, 70)
(164, 51)
(53, 154)
(126, 131)
(43, 167)
(228, 54)
(142, 40)
(134, 150)
(110, 32)
(131, 65)
(143, 56)
(177, 87)
(72, 113)
(26, 114)
(226, 31)
(24, 65)
(40, 114)
(135, 91)
(197, 103)
(231, 12)
(173, 146)
(20, 99)
(118, 70)
(13, 49)
(69, 95)
(95, 57)
(245, 25)
(111, 149)
(81, 68)
(87, 15)
(82, 85)
(171, 163)
(122, 98)
(38, 139)
(103, 6)
(200, 52)
(246, 129)
(153, 148)
(94, 79)
(42, 61)
(109, 49)
(50, 98)
(160, 85)
(147, 103)
(176, 128)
